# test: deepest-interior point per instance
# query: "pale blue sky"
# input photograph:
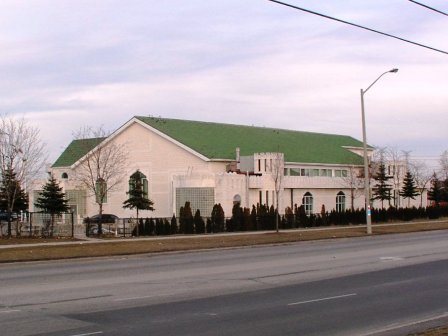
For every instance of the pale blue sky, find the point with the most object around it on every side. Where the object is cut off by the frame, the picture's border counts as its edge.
(70, 63)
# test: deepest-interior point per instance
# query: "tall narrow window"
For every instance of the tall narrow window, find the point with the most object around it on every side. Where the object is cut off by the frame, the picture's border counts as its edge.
(237, 199)
(307, 202)
(138, 178)
(340, 202)
(145, 185)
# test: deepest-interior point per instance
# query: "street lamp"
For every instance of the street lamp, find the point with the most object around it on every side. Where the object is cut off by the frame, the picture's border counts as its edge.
(366, 160)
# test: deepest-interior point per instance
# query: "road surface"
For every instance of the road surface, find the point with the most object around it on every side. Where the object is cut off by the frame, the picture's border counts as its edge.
(385, 285)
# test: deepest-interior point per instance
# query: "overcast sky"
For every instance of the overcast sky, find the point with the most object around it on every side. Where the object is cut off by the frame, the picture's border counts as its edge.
(65, 64)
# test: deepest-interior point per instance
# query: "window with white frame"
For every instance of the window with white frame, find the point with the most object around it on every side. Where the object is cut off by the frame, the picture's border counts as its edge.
(314, 172)
(326, 172)
(340, 202)
(139, 178)
(340, 173)
(307, 202)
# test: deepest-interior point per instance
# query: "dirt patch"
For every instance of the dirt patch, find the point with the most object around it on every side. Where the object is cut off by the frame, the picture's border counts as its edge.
(442, 331)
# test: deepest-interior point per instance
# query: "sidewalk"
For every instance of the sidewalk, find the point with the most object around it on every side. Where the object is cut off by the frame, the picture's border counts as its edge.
(90, 240)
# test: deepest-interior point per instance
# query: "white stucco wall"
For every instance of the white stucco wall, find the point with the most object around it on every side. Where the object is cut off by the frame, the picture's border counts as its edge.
(168, 165)
(156, 157)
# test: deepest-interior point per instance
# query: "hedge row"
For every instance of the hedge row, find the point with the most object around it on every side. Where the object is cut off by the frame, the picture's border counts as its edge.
(262, 217)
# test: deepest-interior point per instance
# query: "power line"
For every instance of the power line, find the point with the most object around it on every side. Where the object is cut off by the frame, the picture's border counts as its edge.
(426, 6)
(358, 26)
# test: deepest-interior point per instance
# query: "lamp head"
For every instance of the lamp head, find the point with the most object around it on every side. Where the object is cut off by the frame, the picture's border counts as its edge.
(394, 70)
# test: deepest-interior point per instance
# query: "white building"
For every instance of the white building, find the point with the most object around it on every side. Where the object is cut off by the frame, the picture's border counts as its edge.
(209, 163)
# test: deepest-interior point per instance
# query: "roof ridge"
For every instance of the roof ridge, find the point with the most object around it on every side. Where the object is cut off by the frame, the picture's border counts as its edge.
(240, 125)
(217, 141)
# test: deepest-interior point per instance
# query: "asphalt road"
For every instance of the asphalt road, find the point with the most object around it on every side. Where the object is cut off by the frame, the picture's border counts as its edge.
(384, 285)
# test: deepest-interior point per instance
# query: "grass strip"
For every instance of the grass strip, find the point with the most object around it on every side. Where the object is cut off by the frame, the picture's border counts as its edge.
(117, 247)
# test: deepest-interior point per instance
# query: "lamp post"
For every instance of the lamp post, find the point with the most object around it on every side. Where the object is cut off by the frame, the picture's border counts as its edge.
(366, 159)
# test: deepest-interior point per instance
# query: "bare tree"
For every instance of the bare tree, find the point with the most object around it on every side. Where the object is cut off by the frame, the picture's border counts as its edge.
(395, 161)
(102, 168)
(422, 176)
(376, 159)
(277, 171)
(21, 154)
(444, 164)
(354, 181)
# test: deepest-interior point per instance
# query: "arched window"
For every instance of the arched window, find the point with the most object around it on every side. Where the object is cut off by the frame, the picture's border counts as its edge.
(139, 179)
(236, 199)
(64, 176)
(340, 202)
(307, 202)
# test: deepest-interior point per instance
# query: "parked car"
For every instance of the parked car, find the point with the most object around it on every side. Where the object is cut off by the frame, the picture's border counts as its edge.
(94, 230)
(4, 216)
(92, 224)
(105, 219)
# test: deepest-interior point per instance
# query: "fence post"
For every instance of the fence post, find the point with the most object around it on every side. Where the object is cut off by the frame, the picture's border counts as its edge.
(73, 224)
(31, 226)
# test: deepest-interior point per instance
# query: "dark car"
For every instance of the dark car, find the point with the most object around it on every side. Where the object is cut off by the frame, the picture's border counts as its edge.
(4, 216)
(105, 219)
(92, 224)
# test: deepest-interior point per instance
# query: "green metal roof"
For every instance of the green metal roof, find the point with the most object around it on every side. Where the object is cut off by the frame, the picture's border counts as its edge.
(219, 141)
(76, 150)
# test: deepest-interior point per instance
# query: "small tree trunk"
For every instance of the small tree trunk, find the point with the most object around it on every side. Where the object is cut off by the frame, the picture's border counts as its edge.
(9, 228)
(137, 227)
(352, 199)
(277, 214)
(52, 225)
(100, 224)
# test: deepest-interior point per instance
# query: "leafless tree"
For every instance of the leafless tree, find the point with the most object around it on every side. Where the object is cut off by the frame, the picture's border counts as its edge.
(277, 171)
(354, 181)
(444, 164)
(102, 169)
(21, 154)
(396, 162)
(422, 176)
(376, 159)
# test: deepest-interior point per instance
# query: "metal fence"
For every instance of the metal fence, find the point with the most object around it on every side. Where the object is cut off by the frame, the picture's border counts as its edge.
(39, 224)
(122, 227)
